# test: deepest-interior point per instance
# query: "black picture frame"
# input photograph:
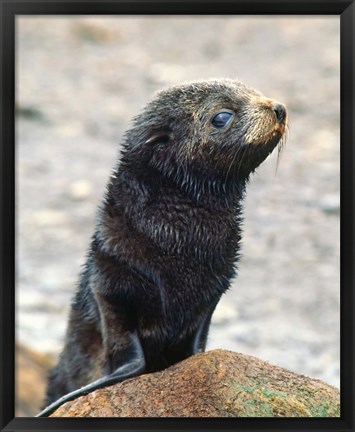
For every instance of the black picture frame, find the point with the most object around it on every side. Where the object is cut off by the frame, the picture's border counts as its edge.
(9, 9)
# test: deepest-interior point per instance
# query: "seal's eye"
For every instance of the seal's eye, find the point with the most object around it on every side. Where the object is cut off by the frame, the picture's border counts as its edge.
(221, 119)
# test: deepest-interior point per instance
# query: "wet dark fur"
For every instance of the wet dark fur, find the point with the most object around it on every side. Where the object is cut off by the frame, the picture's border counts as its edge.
(167, 236)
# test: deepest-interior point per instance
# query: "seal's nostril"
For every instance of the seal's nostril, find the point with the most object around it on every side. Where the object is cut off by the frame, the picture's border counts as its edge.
(280, 111)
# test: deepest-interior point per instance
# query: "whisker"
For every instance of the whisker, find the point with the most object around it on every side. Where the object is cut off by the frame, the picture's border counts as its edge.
(280, 149)
(241, 161)
(230, 166)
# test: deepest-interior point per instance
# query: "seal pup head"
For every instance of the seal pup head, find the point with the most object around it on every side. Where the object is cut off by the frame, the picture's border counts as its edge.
(216, 129)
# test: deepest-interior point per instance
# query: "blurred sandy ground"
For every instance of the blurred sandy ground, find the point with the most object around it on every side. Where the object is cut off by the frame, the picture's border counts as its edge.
(80, 80)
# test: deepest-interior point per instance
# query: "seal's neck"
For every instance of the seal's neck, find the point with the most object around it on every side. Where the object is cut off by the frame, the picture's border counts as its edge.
(201, 187)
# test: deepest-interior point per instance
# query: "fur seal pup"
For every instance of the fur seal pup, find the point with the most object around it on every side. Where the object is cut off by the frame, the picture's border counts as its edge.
(167, 236)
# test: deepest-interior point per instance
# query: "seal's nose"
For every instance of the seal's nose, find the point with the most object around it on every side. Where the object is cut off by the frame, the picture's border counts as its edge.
(280, 111)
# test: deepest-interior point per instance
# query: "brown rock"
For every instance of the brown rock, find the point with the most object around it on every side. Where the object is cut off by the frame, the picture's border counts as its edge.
(31, 376)
(213, 384)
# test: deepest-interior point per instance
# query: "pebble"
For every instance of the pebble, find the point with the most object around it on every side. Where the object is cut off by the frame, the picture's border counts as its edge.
(80, 190)
(330, 204)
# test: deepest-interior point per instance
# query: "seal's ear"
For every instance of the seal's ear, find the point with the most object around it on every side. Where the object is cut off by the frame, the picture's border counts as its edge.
(158, 137)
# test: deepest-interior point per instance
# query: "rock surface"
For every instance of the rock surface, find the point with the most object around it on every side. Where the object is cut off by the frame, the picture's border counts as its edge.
(214, 384)
(31, 376)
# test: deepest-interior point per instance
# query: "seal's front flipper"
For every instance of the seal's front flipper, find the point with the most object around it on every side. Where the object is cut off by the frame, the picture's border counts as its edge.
(194, 342)
(130, 364)
(199, 338)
